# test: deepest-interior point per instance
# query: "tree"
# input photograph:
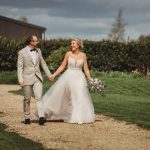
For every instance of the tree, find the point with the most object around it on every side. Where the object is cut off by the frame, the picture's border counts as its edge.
(23, 19)
(144, 56)
(118, 28)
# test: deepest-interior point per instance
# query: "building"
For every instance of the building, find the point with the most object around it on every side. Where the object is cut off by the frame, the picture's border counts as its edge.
(16, 29)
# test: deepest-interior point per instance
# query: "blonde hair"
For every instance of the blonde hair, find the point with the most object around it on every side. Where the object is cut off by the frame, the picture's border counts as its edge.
(79, 42)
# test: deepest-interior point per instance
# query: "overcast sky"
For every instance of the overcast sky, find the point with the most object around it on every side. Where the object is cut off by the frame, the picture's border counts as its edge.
(86, 19)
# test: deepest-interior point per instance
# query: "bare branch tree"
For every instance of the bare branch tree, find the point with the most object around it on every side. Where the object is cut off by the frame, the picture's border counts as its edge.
(118, 28)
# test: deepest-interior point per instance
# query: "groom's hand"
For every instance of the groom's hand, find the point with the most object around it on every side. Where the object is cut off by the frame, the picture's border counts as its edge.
(21, 84)
(52, 77)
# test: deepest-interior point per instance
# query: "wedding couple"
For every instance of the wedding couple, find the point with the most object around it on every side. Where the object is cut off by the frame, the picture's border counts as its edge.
(68, 98)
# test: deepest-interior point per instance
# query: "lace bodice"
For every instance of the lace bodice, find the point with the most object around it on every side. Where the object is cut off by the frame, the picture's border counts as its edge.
(75, 63)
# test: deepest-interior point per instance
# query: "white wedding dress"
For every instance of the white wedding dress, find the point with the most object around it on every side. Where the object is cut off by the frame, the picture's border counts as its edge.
(69, 98)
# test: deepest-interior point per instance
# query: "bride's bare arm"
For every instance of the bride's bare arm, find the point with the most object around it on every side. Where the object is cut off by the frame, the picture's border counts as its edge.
(62, 66)
(86, 68)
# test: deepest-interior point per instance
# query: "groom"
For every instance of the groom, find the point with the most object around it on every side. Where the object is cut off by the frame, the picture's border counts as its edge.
(28, 69)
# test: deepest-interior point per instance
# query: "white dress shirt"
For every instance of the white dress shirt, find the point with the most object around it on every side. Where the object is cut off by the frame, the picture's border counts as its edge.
(33, 55)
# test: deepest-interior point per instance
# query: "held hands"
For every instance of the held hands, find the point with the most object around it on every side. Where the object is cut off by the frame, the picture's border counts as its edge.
(52, 77)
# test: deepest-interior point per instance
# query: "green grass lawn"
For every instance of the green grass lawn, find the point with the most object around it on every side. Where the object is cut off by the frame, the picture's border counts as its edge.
(13, 141)
(8, 77)
(127, 97)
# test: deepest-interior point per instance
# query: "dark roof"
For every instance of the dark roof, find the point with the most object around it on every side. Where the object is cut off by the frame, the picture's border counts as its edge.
(22, 23)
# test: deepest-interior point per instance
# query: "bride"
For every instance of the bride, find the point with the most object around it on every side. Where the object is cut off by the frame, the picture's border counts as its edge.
(69, 98)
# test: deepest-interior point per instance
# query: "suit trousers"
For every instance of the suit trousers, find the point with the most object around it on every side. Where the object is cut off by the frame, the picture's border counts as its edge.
(37, 88)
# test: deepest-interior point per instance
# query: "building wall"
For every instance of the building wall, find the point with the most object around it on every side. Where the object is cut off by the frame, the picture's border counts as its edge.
(17, 31)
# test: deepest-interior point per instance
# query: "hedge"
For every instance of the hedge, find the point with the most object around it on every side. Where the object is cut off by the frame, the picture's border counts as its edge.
(102, 55)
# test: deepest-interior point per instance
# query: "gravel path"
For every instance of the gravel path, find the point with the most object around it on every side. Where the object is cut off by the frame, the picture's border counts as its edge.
(105, 134)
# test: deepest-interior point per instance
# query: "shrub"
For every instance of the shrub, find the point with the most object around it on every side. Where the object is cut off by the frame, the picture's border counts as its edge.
(56, 57)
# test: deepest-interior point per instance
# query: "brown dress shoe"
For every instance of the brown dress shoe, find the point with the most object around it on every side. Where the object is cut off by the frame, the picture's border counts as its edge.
(27, 121)
(42, 121)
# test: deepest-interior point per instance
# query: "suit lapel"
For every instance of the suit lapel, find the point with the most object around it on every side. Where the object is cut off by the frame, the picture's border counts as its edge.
(29, 55)
(37, 57)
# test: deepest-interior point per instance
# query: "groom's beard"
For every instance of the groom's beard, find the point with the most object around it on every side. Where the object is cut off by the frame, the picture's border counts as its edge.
(34, 46)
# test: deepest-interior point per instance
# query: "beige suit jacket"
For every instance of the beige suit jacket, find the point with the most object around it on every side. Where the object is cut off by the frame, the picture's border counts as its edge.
(28, 71)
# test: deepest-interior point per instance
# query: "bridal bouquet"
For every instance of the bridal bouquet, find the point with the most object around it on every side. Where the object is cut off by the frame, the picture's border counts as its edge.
(96, 86)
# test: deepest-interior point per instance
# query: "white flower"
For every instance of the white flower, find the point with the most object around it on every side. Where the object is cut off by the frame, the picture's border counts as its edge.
(96, 86)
